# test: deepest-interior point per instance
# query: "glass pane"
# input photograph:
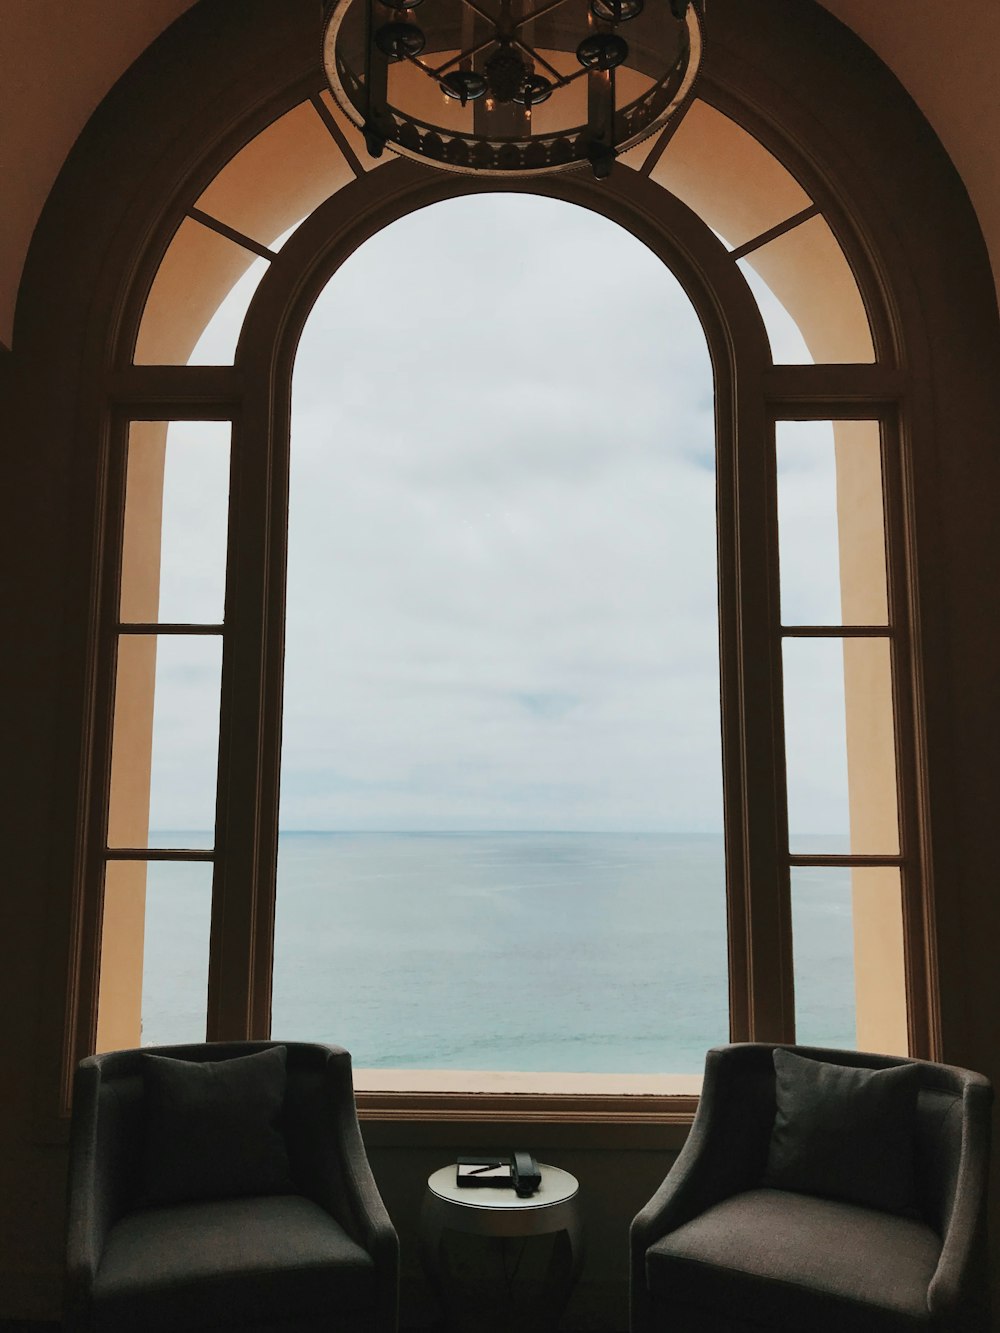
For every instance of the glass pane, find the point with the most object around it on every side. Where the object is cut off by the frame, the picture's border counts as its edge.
(850, 984)
(501, 803)
(839, 746)
(807, 523)
(708, 153)
(879, 967)
(154, 954)
(176, 517)
(175, 956)
(166, 740)
(175, 964)
(199, 270)
(302, 165)
(823, 957)
(808, 273)
(788, 347)
(830, 523)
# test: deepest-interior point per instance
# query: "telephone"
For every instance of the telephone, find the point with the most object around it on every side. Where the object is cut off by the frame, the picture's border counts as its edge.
(527, 1176)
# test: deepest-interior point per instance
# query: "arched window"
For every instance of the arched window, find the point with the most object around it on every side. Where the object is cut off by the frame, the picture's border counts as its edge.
(806, 362)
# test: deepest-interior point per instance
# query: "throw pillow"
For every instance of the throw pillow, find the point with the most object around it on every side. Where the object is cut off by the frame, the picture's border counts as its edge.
(212, 1127)
(845, 1133)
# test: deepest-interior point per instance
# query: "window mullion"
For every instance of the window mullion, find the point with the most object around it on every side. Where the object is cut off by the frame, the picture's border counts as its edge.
(756, 807)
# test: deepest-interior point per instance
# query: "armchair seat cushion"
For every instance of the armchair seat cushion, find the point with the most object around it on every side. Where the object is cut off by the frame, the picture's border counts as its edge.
(794, 1262)
(267, 1261)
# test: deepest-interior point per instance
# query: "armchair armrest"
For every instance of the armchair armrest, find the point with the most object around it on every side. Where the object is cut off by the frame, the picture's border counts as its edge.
(87, 1220)
(724, 1154)
(378, 1235)
(341, 1179)
(958, 1296)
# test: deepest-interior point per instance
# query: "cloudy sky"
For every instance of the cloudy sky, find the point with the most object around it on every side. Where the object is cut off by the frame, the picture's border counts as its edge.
(502, 583)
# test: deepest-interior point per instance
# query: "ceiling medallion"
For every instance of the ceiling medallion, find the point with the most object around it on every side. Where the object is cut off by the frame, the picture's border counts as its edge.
(512, 87)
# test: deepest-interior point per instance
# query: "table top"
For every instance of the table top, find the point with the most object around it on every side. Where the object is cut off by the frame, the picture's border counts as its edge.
(557, 1187)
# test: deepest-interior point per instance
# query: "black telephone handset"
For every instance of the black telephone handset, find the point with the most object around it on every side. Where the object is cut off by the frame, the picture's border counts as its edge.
(527, 1176)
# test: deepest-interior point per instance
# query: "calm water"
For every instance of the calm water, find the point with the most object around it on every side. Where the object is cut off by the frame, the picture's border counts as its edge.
(539, 951)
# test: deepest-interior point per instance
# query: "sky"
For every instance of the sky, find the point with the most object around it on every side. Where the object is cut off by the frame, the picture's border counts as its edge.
(502, 579)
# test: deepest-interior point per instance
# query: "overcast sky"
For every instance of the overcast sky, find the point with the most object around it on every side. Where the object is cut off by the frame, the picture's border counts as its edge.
(502, 580)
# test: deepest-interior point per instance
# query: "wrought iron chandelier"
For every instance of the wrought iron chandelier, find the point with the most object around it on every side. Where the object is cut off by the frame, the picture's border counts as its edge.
(508, 87)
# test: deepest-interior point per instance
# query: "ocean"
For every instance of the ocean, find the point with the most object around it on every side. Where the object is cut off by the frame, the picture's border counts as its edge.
(547, 952)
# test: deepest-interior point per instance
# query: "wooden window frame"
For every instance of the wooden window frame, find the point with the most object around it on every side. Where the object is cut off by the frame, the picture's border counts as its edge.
(255, 396)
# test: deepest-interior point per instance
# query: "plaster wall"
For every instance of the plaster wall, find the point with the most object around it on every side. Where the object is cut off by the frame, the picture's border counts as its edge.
(57, 62)
(946, 60)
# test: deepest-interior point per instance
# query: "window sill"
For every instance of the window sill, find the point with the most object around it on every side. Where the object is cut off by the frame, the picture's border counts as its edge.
(646, 1110)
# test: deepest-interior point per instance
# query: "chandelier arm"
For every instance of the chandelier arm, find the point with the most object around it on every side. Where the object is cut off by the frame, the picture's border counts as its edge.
(580, 73)
(537, 13)
(487, 18)
(465, 55)
(425, 69)
(560, 80)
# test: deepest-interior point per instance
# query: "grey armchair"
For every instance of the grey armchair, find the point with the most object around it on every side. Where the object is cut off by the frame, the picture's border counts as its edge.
(717, 1250)
(315, 1250)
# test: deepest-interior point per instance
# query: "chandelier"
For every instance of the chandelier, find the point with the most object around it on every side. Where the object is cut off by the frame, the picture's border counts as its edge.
(508, 87)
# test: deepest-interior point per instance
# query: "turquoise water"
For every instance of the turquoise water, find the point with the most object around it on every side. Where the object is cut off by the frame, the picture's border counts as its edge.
(557, 952)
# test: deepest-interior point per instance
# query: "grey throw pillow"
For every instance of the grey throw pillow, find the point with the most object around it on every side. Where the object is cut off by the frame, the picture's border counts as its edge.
(845, 1133)
(212, 1127)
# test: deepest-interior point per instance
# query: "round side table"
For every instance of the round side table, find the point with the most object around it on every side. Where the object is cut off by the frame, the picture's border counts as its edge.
(554, 1207)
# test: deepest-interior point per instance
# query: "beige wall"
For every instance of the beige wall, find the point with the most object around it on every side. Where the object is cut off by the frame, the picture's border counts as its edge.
(946, 59)
(56, 63)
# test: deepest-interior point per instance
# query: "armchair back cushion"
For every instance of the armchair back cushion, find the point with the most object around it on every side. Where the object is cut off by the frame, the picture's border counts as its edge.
(845, 1133)
(212, 1127)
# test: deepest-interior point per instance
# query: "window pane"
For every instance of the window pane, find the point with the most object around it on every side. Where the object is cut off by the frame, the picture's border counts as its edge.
(807, 271)
(302, 165)
(176, 518)
(166, 740)
(199, 270)
(847, 930)
(154, 953)
(816, 745)
(823, 957)
(707, 154)
(788, 347)
(830, 523)
(879, 968)
(501, 729)
(175, 958)
(807, 523)
(839, 746)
